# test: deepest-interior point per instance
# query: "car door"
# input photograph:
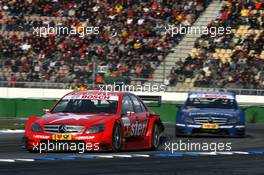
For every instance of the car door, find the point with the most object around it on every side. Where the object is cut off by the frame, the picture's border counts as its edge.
(141, 117)
(128, 119)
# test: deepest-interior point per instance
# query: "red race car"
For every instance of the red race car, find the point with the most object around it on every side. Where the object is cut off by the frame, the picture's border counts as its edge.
(94, 120)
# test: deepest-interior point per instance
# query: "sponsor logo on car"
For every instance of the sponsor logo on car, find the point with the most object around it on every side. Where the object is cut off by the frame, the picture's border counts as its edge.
(85, 137)
(138, 129)
(41, 137)
(87, 95)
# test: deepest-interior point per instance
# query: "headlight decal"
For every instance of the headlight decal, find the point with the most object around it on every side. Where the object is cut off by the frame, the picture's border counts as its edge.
(35, 127)
(95, 129)
(233, 120)
(187, 119)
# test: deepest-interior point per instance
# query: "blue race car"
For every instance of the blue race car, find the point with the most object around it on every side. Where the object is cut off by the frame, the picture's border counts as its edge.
(213, 113)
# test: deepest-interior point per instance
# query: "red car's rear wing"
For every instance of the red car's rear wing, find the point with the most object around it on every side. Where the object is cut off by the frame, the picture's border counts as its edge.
(150, 99)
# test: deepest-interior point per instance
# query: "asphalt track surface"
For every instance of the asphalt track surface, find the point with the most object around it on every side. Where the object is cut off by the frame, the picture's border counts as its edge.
(246, 157)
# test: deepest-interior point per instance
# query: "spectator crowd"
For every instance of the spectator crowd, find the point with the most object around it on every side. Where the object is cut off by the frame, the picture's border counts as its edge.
(129, 43)
(233, 60)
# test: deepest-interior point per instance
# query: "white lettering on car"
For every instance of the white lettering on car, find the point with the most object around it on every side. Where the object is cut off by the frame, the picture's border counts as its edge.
(41, 137)
(138, 129)
(85, 137)
(99, 96)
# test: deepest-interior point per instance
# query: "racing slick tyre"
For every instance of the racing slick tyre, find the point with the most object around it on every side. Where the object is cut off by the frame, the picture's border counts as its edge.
(25, 146)
(116, 138)
(178, 133)
(242, 134)
(32, 151)
(155, 138)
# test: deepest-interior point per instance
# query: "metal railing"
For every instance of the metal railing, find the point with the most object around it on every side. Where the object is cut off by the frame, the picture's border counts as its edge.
(45, 85)
(136, 81)
(188, 86)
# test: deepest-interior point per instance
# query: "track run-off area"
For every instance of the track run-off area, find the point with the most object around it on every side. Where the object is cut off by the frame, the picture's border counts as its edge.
(245, 157)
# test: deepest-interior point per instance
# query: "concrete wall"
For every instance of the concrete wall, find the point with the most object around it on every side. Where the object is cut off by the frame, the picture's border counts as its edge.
(57, 93)
(22, 103)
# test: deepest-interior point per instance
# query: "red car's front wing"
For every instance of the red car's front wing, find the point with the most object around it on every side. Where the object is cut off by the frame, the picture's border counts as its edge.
(93, 142)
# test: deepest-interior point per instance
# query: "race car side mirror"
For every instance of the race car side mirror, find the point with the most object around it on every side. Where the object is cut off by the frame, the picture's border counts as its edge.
(243, 109)
(152, 115)
(46, 110)
(130, 113)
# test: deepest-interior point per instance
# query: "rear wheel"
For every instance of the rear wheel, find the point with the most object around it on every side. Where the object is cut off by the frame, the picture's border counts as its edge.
(116, 138)
(32, 151)
(155, 137)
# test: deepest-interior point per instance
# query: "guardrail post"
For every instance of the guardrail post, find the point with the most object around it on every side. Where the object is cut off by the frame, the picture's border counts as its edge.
(164, 67)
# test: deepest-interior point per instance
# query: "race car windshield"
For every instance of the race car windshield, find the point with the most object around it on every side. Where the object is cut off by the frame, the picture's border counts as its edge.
(86, 106)
(210, 103)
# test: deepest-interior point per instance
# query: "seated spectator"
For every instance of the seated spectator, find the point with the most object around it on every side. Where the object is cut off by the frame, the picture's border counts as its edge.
(127, 35)
(229, 60)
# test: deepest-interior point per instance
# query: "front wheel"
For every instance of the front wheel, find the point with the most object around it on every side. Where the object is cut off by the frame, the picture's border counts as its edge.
(155, 137)
(116, 138)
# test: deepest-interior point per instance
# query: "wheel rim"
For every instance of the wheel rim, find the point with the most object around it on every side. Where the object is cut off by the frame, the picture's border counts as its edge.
(117, 138)
(155, 138)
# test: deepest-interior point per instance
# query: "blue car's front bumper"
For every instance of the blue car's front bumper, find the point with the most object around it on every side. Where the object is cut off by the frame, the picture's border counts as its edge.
(196, 129)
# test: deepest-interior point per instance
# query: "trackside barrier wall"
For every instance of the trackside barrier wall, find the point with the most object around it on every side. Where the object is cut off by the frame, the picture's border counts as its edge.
(22, 103)
(23, 108)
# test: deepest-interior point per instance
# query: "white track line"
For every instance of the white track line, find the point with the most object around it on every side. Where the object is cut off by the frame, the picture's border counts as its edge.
(12, 131)
(140, 155)
(105, 156)
(207, 153)
(25, 160)
(110, 156)
(7, 160)
(123, 155)
(240, 152)
(225, 153)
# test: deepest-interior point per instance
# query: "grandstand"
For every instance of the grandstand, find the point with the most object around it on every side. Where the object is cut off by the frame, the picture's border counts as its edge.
(140, 51)
(136, 50)
(228, 61)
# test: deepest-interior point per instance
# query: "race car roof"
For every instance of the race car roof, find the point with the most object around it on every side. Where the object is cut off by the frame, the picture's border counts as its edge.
(96, 92)
(223, 95)
(88, 94)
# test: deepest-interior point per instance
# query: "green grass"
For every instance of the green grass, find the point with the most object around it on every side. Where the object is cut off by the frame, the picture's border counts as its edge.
(168, 112)
(255, 115)
(11, 126)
